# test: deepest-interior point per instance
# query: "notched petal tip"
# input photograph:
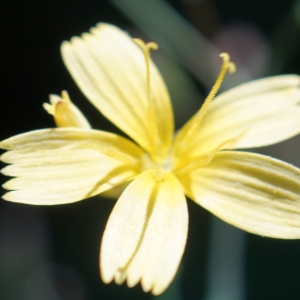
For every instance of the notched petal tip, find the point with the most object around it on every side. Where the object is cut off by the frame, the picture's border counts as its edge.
(5, 197)
(86, 36)
(8, 196)
(2, 146)
(65, 45)
(144, 240)
(255, 193)
(109, 69)
(65, 113)
(49, 163)
(120, 277)
(106, 276)
(297, 78)
(5, 145)
(101, 27)
(4, 170)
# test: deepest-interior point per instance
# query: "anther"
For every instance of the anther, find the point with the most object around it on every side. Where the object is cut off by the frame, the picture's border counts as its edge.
(226, 61)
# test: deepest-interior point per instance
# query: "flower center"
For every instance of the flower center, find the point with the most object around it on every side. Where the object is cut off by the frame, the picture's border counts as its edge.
(165, 164)
(161, 167)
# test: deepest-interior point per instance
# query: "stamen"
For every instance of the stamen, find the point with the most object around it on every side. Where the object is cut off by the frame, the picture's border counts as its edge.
(146, 50)
(226, 66)
(192, 126)
(153, 124)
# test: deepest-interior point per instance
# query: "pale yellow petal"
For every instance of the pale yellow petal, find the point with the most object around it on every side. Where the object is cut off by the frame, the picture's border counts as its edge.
(254, 114)
(146, 233)
(110, 69)
(64, 165)
(253, 192)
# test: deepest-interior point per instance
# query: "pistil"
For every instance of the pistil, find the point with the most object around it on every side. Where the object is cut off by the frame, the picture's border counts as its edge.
(187, 132)
(153, 124)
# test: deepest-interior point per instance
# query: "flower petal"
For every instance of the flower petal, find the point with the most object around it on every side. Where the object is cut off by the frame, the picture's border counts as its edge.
(110, 69)
(146, 233)
(65, 113)
(256, 193)
(64, 165)
(254, 114)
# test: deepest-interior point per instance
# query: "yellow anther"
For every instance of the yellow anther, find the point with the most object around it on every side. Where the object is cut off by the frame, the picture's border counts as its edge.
(226, 61)
(147, 46)
(225, 56)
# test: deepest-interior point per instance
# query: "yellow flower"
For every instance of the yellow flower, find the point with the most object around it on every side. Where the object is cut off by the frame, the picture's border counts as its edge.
(147, 230)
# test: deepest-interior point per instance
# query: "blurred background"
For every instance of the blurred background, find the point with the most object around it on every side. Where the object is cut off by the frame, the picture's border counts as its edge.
(51, 253)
